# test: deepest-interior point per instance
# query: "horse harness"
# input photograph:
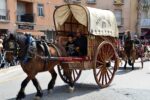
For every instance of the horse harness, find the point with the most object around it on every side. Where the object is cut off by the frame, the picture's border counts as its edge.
(44, 46)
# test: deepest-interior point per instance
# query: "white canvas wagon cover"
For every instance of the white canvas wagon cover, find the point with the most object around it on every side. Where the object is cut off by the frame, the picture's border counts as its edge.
(99, 22)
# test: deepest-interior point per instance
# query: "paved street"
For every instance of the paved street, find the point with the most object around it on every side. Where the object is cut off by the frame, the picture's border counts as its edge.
(127, 85)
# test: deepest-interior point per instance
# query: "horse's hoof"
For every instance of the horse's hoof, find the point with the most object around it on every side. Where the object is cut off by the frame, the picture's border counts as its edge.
(20, 96)
(50, 91)
(71, 89)
(37, 98)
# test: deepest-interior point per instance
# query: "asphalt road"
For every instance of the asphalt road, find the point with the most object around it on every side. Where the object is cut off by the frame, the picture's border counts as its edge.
(127, 85)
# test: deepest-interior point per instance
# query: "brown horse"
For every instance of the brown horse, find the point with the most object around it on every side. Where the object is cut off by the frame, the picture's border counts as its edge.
(37, 62)
(130, 52)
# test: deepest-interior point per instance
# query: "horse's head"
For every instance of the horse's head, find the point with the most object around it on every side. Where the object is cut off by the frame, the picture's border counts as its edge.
(12, 44)
(9, 46)
(9, 42)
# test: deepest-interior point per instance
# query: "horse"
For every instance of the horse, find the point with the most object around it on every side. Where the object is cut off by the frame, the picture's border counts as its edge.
(37, 62)
(130, 52)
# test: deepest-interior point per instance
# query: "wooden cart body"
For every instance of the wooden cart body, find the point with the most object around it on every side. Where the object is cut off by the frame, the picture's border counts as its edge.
(100, 29)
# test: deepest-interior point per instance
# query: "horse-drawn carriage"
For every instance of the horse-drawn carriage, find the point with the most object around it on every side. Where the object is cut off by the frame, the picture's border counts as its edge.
(100, 29)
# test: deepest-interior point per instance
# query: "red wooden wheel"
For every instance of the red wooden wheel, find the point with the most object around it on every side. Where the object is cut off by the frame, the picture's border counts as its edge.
(106, 64)
(69, 75)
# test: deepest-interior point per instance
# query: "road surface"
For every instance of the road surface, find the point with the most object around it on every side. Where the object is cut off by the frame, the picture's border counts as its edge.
(127, 85)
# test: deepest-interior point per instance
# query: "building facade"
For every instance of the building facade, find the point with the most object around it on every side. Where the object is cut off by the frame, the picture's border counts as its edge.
(124, 10)
(37, 15)
(27, 15)
(144, 18)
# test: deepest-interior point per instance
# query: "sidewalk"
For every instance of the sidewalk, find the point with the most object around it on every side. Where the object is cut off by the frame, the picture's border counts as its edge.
(8, 70)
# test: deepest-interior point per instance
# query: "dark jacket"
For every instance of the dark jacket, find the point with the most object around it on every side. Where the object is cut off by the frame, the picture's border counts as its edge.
(81, 42)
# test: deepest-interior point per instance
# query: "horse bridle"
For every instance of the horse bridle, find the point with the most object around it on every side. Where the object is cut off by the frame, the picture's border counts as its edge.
(13, 47)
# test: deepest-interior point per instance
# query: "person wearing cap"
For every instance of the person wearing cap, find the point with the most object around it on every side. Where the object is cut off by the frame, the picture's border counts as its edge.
(30, 41)
(137, 40)
(127, 35)
(127, 42)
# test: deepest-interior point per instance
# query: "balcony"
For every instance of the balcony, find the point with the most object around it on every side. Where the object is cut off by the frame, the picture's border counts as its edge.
(25, 12)
(145, 23)
(26, 0)
(4, 15)
(118, 2)
(26, 18)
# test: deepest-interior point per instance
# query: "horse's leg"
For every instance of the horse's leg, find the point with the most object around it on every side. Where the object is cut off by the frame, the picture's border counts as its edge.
(21, 93)
(38, 87)
(125, 64)
(133, 64)
(52, 82)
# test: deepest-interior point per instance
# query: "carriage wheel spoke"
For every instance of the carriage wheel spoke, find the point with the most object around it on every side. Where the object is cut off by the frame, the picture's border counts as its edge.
(108, 75)
(105, 78)
(100, 70)
(100, 57)
(107, 52)
(109, 71)
(99, 66)
(110, 55)
(76, 72)
(100, 76)
(103, 54)
(99, 62)
(73, 75)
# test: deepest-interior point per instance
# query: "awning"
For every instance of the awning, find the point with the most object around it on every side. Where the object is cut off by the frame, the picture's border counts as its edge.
(99, 22)
(32, 32)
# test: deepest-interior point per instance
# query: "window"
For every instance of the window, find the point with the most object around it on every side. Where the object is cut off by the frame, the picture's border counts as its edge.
(3, 11)
(40, 10)
(91, 1)
(118, 14)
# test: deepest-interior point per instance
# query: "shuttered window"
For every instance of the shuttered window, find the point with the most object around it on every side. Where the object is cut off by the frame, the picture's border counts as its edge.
(118, 14)
(2, 7)
(40, 9)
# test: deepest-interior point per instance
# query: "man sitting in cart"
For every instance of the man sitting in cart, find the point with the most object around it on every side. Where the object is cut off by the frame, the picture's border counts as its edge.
(81, 42)
(71, 47)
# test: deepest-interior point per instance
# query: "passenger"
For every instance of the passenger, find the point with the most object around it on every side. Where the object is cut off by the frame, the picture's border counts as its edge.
(71, 47)
(81, 42)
